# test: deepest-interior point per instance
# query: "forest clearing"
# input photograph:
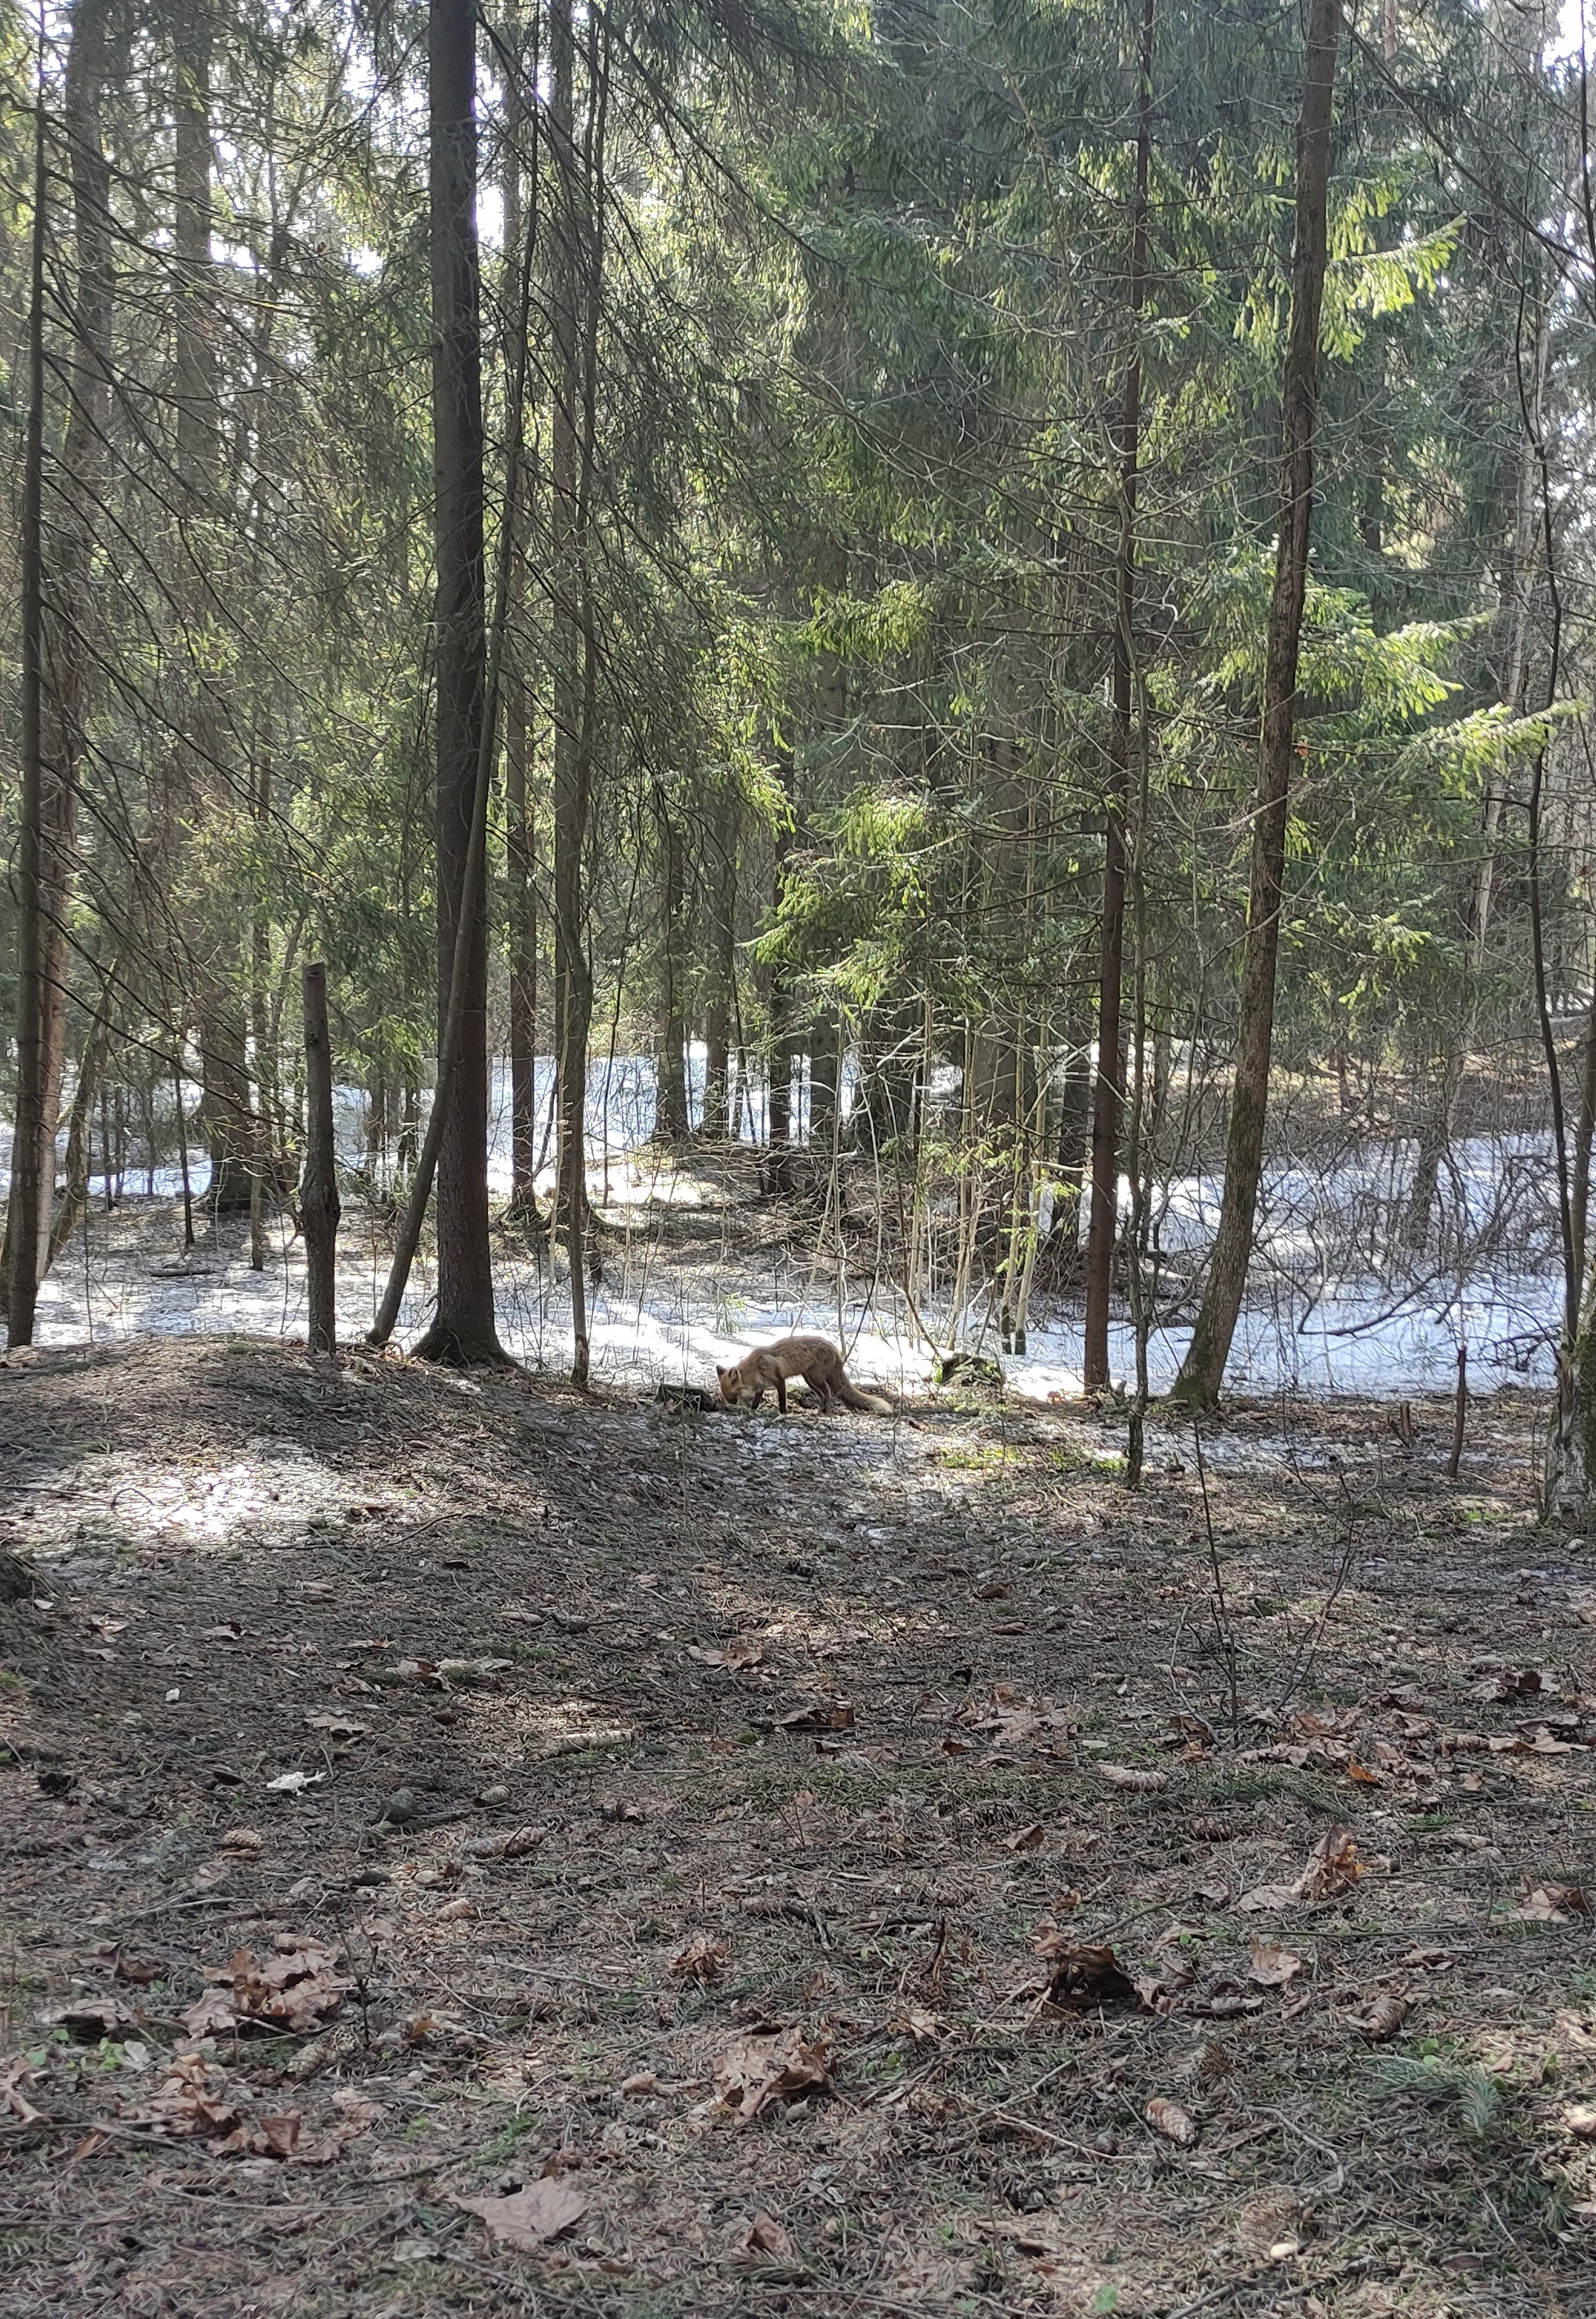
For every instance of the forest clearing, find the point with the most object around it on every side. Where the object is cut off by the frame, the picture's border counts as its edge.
(725, 1821)
(914, 674)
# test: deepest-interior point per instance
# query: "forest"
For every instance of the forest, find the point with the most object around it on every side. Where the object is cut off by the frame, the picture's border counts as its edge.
(913, 669)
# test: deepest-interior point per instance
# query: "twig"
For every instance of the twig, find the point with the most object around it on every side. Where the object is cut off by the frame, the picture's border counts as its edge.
(1222, 1608)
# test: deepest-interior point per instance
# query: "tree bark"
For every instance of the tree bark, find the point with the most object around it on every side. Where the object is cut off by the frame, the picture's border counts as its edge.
(574, 323)
(319, 1203)
(720, 1010)
(1108, 1092)
(32, 1157)
(671, 1123)
(1201, 1372)
(520, 838)
(464, 1329)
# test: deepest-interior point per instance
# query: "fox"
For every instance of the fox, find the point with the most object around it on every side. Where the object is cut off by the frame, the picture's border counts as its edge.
(813, 1359)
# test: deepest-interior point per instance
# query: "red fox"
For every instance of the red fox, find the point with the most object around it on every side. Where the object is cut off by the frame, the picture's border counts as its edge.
(813, 1359)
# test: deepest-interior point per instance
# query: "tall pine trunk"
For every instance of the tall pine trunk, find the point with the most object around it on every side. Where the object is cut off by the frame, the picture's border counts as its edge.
(1108, 1093)
(462, 1329)
(670, 1121)
(720, 1009)
(573, 314)
(1201, 1372)
(520, 845)
(32, 1163)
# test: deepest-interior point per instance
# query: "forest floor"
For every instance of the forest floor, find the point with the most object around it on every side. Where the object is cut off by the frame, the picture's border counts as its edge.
(470, 1847)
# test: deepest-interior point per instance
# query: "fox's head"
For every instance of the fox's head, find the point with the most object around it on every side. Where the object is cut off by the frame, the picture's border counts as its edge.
(731, 1381)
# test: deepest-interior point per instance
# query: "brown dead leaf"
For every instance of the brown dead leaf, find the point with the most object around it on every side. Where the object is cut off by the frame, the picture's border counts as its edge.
(703, 1960)
(530, 2218)
(1550, 1904)
(766, 2235)
(1333, 1867)
(778, 2067)
(1580, 2117)
(243, 1843)
(334, 1727)
(1175, 2124)
(640, 2082)
(1008, 1721)
(1026, 1839)
(89, 2019)
(1272, 1965)
(738, 1657)
(918, 2022)
(19, 2071)
(1084, 1974)
(1510, 1682)
(820, 1715)
(298, 1989)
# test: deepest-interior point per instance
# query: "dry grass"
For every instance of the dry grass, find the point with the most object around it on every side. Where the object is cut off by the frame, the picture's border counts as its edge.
(1008, 1628)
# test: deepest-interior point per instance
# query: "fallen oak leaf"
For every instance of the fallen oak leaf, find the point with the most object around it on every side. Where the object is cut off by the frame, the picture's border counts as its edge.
(759, 2069)
(1333, 1867)
(1272, 1965)
(1026, 1839)
(530, 2218)
(1550, 1904)
(703, 1960)
(1133, 1781)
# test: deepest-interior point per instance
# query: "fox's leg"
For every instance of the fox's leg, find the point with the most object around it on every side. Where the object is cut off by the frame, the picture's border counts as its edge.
(758, 1394)
(819, 1384)
(781, 1394)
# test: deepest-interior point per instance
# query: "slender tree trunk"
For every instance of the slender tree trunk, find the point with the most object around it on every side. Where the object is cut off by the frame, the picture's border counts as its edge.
(319, 1186)
(1108, 1094)
(1203, 1371)
(671, 1123)
(720, 1011)
(32, 1157)
(575, 320)
(464, 1329)
(520, 841)
(91, 1074)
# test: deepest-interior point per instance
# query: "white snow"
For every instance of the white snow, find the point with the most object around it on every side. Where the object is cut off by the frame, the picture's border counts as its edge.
(1329, 1311)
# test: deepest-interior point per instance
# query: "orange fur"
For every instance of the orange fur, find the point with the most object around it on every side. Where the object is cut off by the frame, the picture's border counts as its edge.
(816, 1359)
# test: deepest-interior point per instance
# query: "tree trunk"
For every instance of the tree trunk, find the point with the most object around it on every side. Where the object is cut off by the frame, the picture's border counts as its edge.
(520, 841)
(91, 1072)
(1201, 1372)
(574, 322)
(1108, 1093)
(672, 1124)
(32, 1162)
(720, 1012)
(463, 1329)
(318, 1186)
(825, 1065)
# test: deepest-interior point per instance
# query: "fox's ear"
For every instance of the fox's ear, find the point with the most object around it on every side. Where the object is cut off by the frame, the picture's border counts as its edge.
(720, 1372)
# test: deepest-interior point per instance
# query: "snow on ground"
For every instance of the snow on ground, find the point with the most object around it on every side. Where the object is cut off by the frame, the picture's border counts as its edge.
(1323, 1318)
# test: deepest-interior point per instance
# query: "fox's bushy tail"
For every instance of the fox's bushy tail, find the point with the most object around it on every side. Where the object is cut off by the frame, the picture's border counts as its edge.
(852, 1398)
